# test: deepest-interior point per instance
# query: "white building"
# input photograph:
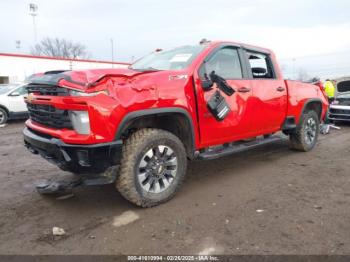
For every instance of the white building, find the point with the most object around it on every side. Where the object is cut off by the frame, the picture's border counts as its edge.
(16, 68)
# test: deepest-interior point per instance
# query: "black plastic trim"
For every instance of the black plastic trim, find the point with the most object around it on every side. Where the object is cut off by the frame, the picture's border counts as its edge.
(311, 101)
(236, 147)
(156, 111)
(18, 115)
(289, 124)
(68, 156)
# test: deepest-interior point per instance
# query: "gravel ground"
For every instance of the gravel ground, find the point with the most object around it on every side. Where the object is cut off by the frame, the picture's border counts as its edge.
(265, 201)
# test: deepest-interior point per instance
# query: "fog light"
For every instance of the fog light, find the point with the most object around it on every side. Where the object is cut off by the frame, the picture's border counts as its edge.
(80, 121)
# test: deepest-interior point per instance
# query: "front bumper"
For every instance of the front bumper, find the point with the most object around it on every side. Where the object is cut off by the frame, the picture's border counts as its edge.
(339, 113)
(90, 159)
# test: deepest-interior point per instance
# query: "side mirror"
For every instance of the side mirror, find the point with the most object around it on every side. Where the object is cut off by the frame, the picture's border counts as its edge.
(15, 94)
(207, 84)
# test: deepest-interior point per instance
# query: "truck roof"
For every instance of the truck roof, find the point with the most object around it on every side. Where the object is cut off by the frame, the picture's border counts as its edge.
(246, 46)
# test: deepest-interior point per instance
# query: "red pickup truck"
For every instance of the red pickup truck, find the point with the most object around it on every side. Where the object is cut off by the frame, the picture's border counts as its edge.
(193, 102)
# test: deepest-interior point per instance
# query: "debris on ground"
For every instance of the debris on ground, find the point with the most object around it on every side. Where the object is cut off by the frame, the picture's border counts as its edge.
(50, 187)
(317, 207)
(325, 128)
(64, 197)
(125, 218)
(334, 127)
(57, 231)
(260, 210)
(3, 125)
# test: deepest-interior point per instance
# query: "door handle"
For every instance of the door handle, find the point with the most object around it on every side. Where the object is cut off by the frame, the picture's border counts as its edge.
(243, 90)
(280, 89)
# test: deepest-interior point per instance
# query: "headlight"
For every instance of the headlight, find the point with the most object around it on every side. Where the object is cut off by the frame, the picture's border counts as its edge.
(80, 121)
(78, 93)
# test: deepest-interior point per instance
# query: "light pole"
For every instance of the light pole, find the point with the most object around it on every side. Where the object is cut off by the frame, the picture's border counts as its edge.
(33, 9)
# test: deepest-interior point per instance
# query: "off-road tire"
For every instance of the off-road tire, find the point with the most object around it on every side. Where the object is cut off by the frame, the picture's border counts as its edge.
(4, 117)
(297, 140)
(134, 149)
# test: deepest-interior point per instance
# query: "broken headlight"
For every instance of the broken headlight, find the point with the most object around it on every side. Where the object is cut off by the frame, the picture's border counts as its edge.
(80, 121)
(78, 93)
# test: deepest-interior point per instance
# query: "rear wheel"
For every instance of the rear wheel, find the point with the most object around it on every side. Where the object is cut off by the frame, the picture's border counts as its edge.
(153, 167)
(3, 116)
(306, 134)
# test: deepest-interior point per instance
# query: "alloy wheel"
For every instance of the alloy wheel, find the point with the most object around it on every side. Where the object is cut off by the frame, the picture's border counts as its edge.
(310, 131)
(157, 169)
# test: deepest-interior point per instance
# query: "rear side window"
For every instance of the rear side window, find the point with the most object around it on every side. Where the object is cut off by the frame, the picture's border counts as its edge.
(260, 65)
(225, 63)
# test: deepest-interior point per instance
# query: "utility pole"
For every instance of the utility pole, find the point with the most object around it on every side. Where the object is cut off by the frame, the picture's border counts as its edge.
(112, 50)
(33, 9)
(18, 45)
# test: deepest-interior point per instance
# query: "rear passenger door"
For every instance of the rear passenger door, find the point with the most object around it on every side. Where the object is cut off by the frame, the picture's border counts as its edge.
(269, 93)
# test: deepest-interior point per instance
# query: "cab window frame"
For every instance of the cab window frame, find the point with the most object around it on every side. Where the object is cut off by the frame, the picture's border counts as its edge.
(241, 58)
(269, 64)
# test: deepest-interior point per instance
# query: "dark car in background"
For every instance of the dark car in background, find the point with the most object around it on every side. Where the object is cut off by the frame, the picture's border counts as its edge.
(340, 108)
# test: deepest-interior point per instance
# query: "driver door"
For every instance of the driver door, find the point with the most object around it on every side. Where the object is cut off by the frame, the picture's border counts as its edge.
(227, 63)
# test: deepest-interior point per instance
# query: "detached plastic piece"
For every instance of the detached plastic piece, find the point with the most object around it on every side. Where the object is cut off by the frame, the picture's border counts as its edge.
(324, 129)
(55, 187)
(222, 84)
(218, 107)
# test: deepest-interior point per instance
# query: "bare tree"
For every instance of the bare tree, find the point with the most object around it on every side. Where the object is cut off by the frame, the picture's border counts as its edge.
(62, 48)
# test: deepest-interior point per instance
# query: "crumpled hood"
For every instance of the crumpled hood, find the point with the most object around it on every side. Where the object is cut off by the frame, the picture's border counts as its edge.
(82, 78)
(85, 79)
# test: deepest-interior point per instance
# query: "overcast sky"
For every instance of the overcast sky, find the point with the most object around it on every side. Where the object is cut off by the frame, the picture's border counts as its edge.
(293, 28)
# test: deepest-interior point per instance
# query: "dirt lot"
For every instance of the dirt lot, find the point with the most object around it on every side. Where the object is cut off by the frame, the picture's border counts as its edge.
(267, 201)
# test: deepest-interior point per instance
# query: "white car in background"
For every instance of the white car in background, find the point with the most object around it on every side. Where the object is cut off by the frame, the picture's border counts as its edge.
(12, 105)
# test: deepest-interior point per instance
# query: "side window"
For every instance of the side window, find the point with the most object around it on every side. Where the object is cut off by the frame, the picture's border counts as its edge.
(260, 65)
(225, 63)
(21, 90)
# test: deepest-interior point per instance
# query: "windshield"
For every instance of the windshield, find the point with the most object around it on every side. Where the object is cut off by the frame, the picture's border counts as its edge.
(6, 88)
(343, 86)
(175, 59)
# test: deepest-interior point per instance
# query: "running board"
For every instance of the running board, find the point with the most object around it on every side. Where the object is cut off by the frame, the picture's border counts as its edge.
(235, 147)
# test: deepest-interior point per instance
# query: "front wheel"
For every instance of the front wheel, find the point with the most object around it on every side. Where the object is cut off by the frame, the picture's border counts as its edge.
(3, 116)
(153, 167)
(306, 134)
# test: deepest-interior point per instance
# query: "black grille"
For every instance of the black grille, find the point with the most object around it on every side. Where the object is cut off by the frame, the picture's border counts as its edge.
(47, 90)
(339, 111)
(344, 101)
(339, 114)
(49, 116)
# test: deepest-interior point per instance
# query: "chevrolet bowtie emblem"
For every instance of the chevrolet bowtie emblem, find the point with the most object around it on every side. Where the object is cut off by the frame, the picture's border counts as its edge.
(30, 97)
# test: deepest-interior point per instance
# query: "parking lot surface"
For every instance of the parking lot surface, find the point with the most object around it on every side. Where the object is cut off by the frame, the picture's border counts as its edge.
(265, 201)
